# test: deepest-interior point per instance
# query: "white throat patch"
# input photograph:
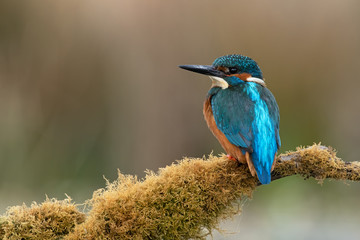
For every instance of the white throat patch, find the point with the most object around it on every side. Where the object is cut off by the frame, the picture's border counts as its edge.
(256, 80)
(219, 82)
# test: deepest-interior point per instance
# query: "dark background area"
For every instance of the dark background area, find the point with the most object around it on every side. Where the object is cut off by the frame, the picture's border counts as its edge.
(89, 87)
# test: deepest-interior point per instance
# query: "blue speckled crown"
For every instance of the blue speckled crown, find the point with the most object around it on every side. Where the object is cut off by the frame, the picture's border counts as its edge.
(243, 63)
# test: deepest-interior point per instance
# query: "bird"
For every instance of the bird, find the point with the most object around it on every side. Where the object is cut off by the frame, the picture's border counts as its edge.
(242, 113)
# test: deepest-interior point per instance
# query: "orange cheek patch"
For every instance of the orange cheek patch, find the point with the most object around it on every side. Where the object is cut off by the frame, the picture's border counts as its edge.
(242, 76)
(223, 69)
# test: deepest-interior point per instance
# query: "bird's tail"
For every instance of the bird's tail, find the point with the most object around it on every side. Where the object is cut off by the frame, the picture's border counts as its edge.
(264, 176)
(263, 161)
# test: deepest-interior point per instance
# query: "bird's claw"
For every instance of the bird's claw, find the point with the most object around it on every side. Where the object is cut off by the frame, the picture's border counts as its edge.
(231, 158)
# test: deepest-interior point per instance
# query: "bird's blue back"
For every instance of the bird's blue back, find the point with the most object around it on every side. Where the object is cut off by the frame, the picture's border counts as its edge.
(248, 116)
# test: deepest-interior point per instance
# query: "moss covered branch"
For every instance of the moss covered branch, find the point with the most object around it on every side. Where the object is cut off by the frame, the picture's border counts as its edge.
(182, 201)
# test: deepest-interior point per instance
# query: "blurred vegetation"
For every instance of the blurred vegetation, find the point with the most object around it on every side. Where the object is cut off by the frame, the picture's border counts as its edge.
(89, 87)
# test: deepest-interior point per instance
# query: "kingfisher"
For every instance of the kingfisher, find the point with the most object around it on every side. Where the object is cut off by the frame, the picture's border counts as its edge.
(242, 113)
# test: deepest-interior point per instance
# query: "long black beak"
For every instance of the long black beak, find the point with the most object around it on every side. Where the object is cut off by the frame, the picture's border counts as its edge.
(203, 69)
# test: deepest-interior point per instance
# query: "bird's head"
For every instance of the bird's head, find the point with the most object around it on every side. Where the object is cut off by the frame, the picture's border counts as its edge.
(230, 70)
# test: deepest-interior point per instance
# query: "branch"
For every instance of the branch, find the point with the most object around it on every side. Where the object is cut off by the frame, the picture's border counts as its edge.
(317, 161)
(185, 200)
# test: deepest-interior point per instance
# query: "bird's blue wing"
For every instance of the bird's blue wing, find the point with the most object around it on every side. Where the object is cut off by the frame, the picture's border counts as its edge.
(270, 101)
(234, 113)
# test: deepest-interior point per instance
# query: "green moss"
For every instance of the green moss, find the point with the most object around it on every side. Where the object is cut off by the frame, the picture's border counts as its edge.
(51, 219)
(318, 162)
(183, 201)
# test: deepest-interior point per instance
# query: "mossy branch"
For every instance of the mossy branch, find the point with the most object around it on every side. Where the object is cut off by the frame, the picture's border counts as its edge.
(182, 201)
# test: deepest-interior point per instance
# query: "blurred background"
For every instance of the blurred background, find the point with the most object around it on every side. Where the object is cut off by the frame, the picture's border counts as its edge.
(88, 87)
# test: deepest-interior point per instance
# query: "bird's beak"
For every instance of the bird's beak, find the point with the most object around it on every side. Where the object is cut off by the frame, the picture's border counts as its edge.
(204, 69)
(216, 76)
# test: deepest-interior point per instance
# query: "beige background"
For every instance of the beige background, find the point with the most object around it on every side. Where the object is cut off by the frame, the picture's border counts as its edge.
(87, 87)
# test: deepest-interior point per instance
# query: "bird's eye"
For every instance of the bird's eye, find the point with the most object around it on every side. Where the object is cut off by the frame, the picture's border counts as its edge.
(233, 70)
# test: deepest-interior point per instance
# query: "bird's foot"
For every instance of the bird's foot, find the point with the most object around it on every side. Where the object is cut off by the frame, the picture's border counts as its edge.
(231, 158)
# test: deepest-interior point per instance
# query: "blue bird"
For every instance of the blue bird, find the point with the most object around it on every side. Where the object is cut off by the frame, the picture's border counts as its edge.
(242, 113)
